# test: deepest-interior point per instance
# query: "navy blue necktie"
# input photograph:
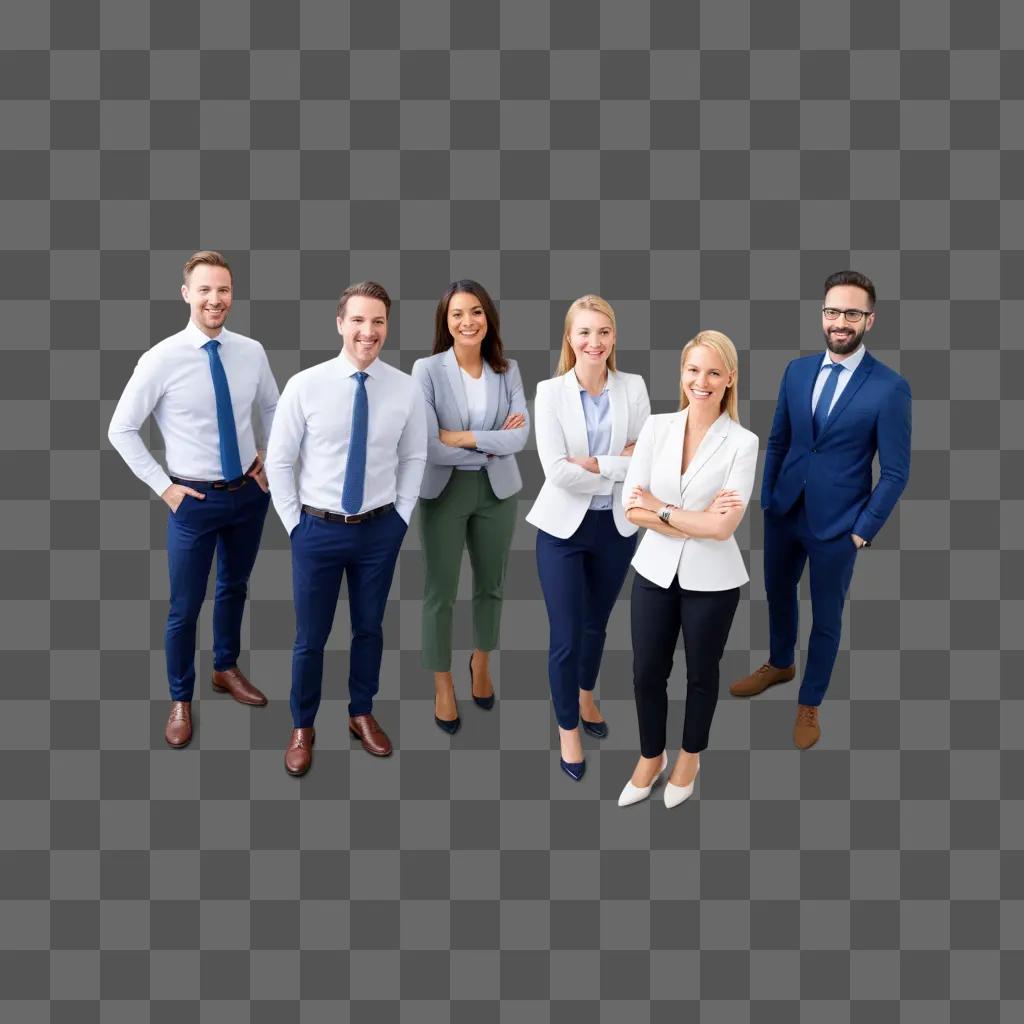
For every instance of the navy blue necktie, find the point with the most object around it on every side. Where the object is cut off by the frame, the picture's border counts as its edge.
(230, 460)
(355, 467)
(821, 410)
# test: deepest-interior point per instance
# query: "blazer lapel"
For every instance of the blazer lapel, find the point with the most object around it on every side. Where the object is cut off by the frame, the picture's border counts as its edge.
(451, 368)
(668, 458)
(620, 413)
(710, 444)
(804, 384)
(493, 389)
(574, 424)
(853, 385)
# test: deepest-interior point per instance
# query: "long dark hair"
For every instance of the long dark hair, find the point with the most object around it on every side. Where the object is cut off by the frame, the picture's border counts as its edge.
(491, 347)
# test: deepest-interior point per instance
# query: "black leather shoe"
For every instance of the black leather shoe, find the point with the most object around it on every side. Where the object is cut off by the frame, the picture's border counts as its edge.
(481, 702)
(574, 769)
(596, 729)
(451, 727)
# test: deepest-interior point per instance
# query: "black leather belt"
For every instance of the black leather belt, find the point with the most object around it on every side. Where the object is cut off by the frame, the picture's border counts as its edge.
(341, 517)
(213, 485)
(219, 485)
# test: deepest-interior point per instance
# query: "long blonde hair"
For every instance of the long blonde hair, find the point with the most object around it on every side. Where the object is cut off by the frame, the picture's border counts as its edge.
(726, 351)
(567, 359)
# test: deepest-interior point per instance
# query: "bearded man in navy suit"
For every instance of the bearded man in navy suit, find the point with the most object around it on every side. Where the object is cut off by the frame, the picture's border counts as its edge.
(834, 414)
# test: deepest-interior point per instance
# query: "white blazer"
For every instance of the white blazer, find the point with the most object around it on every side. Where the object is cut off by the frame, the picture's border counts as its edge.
(725, 459)
(562, 432)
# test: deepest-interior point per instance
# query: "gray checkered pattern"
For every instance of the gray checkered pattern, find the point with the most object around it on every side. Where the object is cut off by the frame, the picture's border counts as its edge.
(699, 164)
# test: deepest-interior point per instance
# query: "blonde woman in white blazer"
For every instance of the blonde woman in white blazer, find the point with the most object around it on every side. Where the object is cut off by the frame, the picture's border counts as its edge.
(689, 483)
(587, 419)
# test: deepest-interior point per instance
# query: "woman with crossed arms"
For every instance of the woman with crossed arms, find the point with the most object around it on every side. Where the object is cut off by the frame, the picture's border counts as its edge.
(690, 478)
(476, 422)
(587, 418)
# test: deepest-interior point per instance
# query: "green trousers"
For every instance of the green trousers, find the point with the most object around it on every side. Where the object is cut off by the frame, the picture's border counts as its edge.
(465, 514)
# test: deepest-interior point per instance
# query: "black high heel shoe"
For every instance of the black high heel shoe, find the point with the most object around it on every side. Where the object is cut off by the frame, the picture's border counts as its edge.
(450, 726)
(481, 702)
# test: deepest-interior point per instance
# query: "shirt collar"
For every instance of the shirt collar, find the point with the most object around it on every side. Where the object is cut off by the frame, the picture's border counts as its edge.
(348, 369)
(604, 390)
(198, 339)
(851, 362)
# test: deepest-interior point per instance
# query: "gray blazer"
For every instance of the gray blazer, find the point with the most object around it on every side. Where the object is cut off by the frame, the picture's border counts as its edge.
(447, 410)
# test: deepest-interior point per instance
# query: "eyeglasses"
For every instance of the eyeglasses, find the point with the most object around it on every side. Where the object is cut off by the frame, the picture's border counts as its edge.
(851, 316)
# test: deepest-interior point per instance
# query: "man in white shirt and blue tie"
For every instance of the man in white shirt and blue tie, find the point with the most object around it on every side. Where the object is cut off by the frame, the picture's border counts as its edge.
(200, 386)
(356, 427)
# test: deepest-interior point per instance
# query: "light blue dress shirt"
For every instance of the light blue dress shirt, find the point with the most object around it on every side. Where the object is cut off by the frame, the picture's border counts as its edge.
(598, 414)
(849, 364)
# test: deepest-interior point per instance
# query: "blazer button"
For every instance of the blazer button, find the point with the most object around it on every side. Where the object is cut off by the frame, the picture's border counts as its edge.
(814, 451)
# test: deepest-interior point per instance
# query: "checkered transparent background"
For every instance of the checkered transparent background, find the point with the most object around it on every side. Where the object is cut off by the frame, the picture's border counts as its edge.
(700, 165)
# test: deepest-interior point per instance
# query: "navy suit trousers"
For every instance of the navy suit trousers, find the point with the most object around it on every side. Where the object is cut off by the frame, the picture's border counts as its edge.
(323, 552)
(789, 545)
(230, 523)
(581, 577)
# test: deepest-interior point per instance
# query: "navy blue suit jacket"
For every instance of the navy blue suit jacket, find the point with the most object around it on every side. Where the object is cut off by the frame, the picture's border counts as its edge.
(833, 472)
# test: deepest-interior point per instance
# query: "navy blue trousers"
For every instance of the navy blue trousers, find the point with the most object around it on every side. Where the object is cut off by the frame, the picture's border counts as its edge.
(322, 552)
(788, 546)
(230, 523)
(581, 577)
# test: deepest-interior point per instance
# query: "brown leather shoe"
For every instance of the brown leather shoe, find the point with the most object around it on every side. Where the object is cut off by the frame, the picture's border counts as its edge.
(232, 681)
(806, 730)
(759, 680)
(299, 755)
(374, 739)
(178, 731)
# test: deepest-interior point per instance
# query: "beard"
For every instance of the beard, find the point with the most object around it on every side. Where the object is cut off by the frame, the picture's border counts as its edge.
(843, 347)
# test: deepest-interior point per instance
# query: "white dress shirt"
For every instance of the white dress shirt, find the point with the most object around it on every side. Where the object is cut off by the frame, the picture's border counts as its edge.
(173, 382)
(849, 364)
(312, 427)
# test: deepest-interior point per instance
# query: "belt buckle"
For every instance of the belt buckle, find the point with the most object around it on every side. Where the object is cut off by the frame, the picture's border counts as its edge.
(351, 520)
(231, 486)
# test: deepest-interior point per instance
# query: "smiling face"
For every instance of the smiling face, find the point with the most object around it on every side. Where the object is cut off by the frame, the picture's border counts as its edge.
(467, 321)
(842, 337)
(363, 328)
(704, 377)
(592, 338)
(208, 293)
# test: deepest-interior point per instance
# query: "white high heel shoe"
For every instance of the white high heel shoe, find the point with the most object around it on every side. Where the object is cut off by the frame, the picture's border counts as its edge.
(634, 794)
(675, 795)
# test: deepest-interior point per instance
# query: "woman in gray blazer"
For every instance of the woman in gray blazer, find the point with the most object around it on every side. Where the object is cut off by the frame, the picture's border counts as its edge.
(476, 422)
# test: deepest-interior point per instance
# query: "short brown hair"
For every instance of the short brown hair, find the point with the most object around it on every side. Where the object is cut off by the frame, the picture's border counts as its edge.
(370, 289)
(851, 277)
(205, 257)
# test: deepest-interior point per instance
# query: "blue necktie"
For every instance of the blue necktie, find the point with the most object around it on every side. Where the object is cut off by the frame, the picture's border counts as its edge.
(230, 460)
(821, 410)
(355, 468)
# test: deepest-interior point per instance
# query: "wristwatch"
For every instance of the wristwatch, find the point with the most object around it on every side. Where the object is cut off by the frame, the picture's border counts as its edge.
(664, 514)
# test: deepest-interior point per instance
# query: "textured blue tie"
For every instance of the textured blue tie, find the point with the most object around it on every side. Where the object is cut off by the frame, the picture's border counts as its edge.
(821, 410)
(230, 461)
(355, 468)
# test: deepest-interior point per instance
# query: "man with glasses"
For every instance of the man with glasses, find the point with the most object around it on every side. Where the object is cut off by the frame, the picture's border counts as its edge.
(834, 413)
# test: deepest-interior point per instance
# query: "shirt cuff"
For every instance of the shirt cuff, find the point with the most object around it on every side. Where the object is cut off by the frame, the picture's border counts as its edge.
(159, 481)
(404, 508)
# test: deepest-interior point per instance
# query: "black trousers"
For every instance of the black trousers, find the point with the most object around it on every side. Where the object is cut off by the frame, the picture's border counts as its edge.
(658, 614)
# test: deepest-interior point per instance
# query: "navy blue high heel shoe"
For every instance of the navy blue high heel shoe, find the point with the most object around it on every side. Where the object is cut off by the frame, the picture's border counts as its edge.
(599, 730)
(574, 769)
(481, 702)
